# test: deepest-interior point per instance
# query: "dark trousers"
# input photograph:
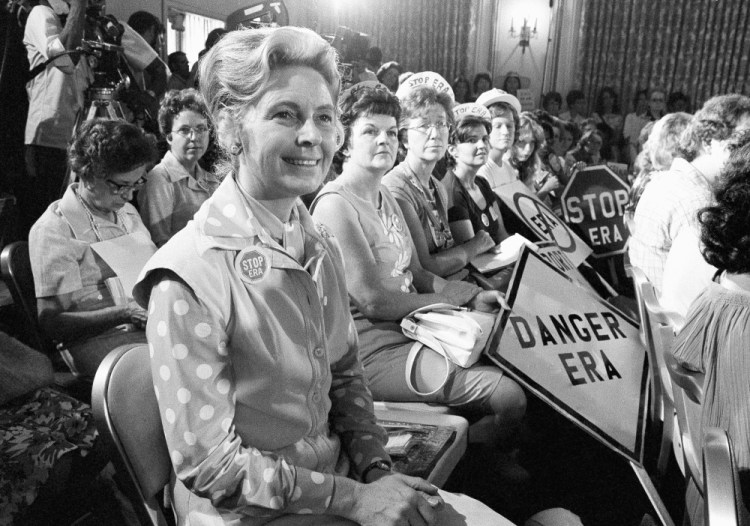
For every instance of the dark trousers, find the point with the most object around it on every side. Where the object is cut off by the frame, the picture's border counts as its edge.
(46, 169)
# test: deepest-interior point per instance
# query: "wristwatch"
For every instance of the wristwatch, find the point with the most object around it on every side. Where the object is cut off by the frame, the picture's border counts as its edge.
(378, 464)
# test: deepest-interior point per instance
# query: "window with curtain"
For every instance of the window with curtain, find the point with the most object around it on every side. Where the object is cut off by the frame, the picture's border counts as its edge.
(698, 47)
(422, 35)
(192, 40)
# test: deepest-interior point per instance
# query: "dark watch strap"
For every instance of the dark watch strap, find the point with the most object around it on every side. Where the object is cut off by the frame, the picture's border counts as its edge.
(378, 464)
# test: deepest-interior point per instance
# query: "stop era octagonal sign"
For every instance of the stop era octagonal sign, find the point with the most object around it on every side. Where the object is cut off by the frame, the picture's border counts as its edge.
(594, 201)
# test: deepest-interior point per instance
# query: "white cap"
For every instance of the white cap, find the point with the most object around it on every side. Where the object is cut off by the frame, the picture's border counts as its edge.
(495, 95)
(471, 108)
(425, 78)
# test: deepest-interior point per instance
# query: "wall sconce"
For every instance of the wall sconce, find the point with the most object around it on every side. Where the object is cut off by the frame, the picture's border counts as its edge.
(525, 34)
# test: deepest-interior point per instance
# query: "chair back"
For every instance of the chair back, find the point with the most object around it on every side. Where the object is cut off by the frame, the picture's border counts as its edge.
(127, 414)
(15, 268)
(721, 491)
(687, 388)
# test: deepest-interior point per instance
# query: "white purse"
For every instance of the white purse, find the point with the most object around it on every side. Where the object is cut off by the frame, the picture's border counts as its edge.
(457, 334)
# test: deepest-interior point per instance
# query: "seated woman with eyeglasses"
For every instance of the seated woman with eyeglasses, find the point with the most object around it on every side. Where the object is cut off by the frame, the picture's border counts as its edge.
(177, 186)
(424, 127)
(75, 304)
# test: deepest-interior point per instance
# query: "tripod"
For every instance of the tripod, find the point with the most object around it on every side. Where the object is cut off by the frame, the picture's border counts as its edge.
(101, 104)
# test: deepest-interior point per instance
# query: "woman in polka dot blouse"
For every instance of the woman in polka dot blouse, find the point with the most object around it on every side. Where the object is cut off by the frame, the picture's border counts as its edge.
(266, 413)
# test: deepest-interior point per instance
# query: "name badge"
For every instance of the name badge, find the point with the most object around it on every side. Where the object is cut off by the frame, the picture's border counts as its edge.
(494, 211)
(253, 264)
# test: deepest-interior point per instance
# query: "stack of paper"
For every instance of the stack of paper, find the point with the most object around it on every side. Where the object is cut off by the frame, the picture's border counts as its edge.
(504, 254)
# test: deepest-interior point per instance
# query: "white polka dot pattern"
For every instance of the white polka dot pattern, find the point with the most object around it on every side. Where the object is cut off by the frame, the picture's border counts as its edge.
(161, 328)
(226, 424)
(229, 210)
(206, 412)
(213, 221)
(203, 330)
(164, 285)
(275, 503)
(317, 478)
(204, 371)
(296, 494)
(177, 458)
(190, 438)
(180, 351)
(246, 487)
(170, 416)
(165, 373)
(183, 395)
(223, 386)
(268, 474)
(181, 307)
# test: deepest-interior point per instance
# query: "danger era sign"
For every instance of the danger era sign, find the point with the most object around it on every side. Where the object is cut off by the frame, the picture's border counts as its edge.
(576, 352)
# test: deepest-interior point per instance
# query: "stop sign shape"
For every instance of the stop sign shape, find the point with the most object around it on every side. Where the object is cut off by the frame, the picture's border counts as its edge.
(594, 202)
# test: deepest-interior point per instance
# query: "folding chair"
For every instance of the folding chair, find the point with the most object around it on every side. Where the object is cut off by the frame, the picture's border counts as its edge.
(721, 491)
(657, 334)
(127, 415)
(687, 387)
(15, 269)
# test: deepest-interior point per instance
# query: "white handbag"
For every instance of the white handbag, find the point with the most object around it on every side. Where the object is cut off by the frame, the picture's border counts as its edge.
(457, 334)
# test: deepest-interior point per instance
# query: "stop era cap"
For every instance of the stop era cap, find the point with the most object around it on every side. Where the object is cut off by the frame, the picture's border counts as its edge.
(495, 95)
(425, 78)
(471, 108)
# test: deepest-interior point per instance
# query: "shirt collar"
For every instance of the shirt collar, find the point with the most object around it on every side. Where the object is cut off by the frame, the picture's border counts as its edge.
(176, 172)
(74, 214)
(230, 221)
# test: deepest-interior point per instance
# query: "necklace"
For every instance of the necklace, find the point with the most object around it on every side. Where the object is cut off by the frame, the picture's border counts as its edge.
(92, 221)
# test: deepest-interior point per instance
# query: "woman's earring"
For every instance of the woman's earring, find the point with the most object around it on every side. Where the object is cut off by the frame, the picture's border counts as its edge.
(235, 149)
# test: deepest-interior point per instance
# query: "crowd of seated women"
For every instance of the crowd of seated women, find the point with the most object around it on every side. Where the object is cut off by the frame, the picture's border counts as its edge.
(267, 350)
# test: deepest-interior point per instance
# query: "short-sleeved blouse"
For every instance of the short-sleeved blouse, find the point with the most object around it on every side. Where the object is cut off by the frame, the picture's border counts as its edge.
(432, 210)
(62, 260)
(172, 196)
(385, 229)
(464, 207)
(715, 340)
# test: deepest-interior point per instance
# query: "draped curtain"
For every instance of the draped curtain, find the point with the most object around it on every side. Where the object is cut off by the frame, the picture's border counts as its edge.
(422, 35)
(699, 47)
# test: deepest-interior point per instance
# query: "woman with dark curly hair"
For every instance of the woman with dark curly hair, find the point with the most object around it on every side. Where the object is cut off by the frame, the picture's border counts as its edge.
(177, 186)
(76, 307)
(716, 335)
(386, 280)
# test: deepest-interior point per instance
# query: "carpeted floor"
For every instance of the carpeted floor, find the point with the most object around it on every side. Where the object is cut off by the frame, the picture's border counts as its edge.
(569, 469)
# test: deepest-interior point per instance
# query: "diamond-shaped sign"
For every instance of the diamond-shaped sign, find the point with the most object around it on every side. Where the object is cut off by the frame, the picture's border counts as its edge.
(575, 351)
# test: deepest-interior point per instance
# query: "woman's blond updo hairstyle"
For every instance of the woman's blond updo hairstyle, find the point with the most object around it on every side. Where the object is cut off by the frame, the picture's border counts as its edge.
(235, 72)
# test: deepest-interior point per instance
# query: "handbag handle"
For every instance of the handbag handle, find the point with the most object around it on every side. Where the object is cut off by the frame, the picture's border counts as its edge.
(414, 351)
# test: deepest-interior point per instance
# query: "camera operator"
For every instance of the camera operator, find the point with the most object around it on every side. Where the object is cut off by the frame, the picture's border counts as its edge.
(56, 95)
(59, 77)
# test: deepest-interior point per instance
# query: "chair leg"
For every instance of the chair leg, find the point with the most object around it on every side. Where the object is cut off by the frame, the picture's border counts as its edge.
(653, 495)
(665, 448)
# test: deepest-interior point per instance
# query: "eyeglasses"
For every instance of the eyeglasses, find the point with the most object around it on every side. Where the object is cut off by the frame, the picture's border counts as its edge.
(119, 188)
(187, 131)
(425, 127)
